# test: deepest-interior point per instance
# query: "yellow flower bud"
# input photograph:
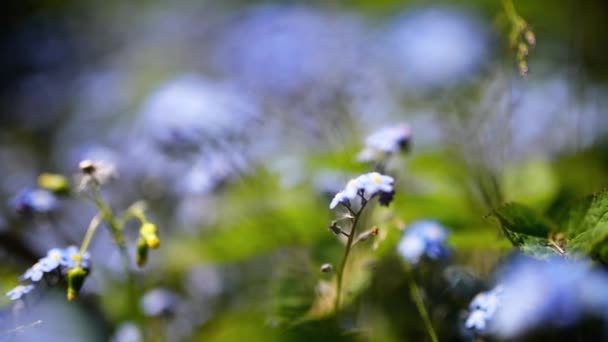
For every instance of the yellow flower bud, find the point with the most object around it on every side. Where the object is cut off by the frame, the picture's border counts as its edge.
(76, 277)
(152, 241)
(148, 232)
(54, 182)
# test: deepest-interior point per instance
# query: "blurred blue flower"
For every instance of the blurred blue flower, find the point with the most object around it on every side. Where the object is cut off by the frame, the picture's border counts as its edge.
(19, 291)
(283, 51)
(158, 302)
(386, 141)
(56, 257)
(31, 201)
(435, 47)
(549, 294)
(423, 238)
(188, 111)
(70, 256)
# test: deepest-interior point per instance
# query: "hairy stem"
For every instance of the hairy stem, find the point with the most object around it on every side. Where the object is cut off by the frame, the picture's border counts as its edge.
(349, 244)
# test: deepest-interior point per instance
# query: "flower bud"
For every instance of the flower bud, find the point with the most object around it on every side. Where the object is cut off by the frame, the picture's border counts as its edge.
(148, 232)
(76, 277)
(530, 38)
(142, 252)
(367, 234)
(326, 268)
(54, 182)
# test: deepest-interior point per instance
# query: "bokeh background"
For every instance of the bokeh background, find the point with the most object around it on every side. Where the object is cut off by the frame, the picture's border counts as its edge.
(237, 121)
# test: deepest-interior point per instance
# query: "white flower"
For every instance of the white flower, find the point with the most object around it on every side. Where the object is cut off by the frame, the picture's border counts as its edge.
(369, 185)
(19, 291)
(372, 183)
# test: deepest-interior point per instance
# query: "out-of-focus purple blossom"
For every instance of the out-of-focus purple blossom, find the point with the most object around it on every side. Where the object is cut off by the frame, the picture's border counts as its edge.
(19, 291)
(186, 112)
(282, 51)
(424, 238)
(482, 310)
(127, 332)
(31, 201)
(386, 141)
(368, 185)
(435, 47)
(548, 294)
(159, 302)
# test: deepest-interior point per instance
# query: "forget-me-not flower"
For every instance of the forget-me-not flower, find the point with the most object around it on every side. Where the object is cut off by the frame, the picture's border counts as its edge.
(367, 186)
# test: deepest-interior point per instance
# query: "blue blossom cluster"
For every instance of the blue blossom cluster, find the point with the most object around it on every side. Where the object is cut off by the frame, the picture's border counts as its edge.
(385, 142)
(365, 187)
(537, 295)
(56, 259)
(424, 238)
(482, 310)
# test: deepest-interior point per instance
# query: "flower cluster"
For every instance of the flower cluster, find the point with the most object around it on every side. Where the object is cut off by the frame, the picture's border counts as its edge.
(58, 261)
(365, 187)
(482, 310)
(423, 238)
(385, 142)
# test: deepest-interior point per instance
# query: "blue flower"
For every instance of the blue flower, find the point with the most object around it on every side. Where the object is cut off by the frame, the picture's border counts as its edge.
(548, 294)
(367, 186)
(386, 141)
(66, 258)
(71, 255)
(35, 273)
(423, 238)
(19, 291)
(158, 302)
(34, 201)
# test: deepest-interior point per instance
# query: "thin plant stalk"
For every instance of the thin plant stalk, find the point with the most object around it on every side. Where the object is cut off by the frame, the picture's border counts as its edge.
(349, 244)
(417, 298)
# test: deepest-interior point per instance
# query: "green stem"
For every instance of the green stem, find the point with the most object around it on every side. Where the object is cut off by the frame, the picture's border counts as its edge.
(95, 222)
(349, 244)
(116, 230)
(417, 298)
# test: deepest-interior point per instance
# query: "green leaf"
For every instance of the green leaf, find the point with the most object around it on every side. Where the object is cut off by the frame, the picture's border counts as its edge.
(520, 219)
(293, 289)
(586, 225)
(533, 182)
